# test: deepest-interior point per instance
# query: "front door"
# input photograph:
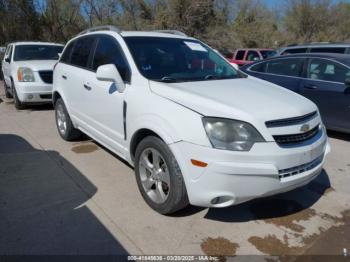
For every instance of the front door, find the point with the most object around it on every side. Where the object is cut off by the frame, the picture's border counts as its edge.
(325, 86)
(105, 104)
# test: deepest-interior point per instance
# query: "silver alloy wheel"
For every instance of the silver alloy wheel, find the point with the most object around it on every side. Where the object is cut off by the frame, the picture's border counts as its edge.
(154, 175)
(61, 119)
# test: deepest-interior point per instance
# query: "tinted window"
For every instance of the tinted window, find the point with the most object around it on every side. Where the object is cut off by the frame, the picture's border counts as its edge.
(267, 53)
(240, 55)
(258, 67)
(65, 58)
(253, 56)
(36, 52)
(340, 50)
(178, 60)
(109, 52)
(81, 51)
(322, 69)
(294, 51)
(287, 67)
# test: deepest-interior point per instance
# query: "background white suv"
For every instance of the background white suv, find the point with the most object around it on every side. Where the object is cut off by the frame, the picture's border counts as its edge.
(195, 129)
(27, 70)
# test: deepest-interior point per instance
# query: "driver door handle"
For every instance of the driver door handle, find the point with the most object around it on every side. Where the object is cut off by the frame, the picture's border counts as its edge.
(87, 87)
(310, 86)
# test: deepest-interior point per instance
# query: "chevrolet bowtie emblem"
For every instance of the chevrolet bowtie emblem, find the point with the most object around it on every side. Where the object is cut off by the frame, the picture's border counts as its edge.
(305, 128)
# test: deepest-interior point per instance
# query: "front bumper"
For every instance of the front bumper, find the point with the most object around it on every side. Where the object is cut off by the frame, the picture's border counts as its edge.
(34, 92)
(235, 177)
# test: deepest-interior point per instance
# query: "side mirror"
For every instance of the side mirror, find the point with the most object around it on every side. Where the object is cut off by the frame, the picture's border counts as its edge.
(7, 60)
(110, 73)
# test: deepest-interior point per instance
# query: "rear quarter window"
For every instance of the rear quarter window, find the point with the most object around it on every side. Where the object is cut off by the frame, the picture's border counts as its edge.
(65, 58)
(261, 67)
(81, 52)
(285, 67)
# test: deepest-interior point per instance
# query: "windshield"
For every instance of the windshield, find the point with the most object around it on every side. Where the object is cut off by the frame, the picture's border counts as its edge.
(178, 60)
(268, 53)
(37, 52)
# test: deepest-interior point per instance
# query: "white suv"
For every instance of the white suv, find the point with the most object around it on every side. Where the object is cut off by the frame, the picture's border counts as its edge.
(195, 129)
(27, 69)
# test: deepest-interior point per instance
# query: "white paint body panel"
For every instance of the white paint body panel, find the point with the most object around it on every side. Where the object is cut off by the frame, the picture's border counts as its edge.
(174, 112)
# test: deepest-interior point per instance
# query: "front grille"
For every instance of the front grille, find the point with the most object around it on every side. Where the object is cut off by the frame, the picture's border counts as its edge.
(46, 76)
(297, 138)
(291, 121)
(283, 173)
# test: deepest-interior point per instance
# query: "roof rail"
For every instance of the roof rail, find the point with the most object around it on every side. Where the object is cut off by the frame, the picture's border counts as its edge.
(101, 28)
(174, 32)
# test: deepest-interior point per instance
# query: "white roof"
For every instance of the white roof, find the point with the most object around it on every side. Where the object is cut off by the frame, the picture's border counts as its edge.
(151, 34)
(35, 43)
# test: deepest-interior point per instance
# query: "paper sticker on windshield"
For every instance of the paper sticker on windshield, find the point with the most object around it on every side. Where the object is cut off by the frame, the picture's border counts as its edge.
(195, 46)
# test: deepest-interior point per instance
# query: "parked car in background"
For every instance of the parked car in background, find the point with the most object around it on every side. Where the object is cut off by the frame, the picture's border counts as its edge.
(27, 68)
(341, 48)
(248, 55)
(2, 52)
(323, 78)
(195, 129)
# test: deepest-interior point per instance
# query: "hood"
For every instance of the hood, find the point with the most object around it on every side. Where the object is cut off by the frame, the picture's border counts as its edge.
(37, 65)
(245, 99)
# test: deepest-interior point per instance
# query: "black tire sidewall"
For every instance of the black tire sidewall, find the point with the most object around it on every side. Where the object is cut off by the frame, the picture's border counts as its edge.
(70, 129)
(177, 198)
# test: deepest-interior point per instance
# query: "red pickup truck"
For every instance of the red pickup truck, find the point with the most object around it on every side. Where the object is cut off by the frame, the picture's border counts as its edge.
(249, 55)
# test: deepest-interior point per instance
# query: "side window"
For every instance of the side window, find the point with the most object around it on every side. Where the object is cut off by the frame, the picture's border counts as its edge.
(109, 52)
(287, 67)
(65, 58)
(294, 51)
(322, 69)
(9, 52)
(340, 50)
(240, 55)
(81, 51)
(260, 67)
(253, 56)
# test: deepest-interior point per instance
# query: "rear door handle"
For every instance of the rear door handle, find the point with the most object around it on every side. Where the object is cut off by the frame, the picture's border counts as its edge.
(87, 87)
(310, 86)
(64, 77)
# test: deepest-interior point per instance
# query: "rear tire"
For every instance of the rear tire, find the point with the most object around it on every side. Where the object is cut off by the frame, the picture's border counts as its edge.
(159, 177)
(18, 104)
(64, 123)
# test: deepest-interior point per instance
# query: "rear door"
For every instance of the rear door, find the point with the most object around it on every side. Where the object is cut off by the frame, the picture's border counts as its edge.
(75, 68)
(325, 86)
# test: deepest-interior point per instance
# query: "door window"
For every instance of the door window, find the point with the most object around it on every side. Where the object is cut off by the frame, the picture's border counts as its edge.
(253, 56)
(81, 51)
(66, 56)
(240, 55)
(322, 69)
(260, 67)
(287, 67)
(340, 50)
(109, 52)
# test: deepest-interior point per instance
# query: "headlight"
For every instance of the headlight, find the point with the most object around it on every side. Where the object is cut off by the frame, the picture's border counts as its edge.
(231, 134)
(25, 74)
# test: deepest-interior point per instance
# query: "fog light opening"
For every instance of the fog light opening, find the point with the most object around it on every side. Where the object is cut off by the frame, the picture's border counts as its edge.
(222, 201)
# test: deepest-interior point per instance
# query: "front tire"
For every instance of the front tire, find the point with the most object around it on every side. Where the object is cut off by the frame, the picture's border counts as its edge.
(64, 123)
(18, 104)
(159, 177)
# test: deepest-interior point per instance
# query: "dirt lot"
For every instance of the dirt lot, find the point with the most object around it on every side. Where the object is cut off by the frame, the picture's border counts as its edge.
(77, 198)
